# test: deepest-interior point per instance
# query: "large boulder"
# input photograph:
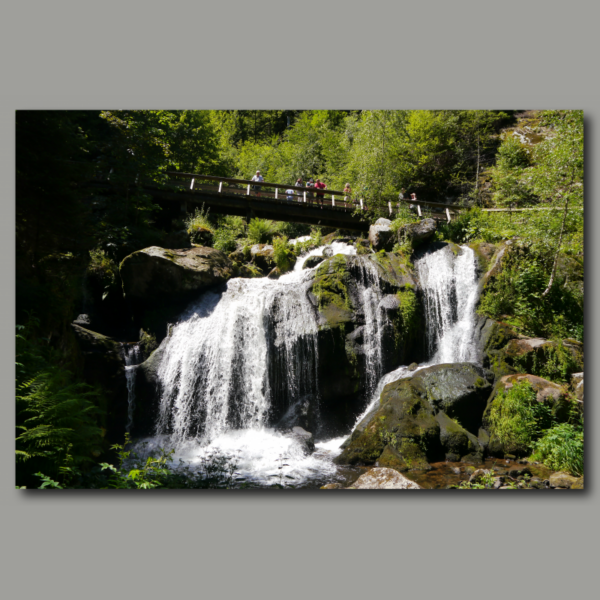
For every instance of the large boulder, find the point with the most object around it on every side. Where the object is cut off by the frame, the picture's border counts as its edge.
(408, 428)
(160, 273)
(262, 257)
(381, 236)
(337, 292)
(418, 233)
(383, 479)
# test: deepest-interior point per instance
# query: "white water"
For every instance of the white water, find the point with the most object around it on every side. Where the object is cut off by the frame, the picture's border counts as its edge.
(450, 288)
(235, 357)
(133, 357)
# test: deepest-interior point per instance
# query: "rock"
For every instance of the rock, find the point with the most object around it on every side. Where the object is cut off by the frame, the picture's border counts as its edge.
(158, 273)
(577, 485)
(475, 458)
(305, 439)
(332, 486)
(491, 337)
(461, 390)
(327, 252)
(478, 475)
(497, 483)
(274, 273)
(485, 253)
(83, 321)
(408, 419)
(455, 439)
(450, 457)
(312, 261)
(413, 366)
(577, 385)
(562, 480)
(383, 479)
(456, 470)
(262, 257)
(546, 391)
(103, 364)
(392, 459)
(418, 233)
(381, 236)
(178, 239)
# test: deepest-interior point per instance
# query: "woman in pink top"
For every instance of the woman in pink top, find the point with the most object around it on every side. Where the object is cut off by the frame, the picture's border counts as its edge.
(319, 185)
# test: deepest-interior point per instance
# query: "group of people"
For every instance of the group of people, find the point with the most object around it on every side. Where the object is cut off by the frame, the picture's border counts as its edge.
(319, 186)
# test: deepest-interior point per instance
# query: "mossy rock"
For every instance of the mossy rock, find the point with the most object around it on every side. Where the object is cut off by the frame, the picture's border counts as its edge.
(455, 438)
(484, 252)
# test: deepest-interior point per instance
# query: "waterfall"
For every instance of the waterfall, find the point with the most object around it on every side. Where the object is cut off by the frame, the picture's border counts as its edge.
(133, 357)
(238, 357)
(450, 287)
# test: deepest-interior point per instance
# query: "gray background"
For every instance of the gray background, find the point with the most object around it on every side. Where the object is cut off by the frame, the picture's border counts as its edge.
(462, 54)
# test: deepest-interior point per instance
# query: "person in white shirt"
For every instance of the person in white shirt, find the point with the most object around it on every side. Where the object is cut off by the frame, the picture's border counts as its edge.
(257, 188)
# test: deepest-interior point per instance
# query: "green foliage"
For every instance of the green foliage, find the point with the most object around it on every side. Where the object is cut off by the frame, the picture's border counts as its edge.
(514, 295)
(148, 343)
(517, 419)
(561, 448)
(57, 417)
(261, 231)
(316, 237)
(283, 254)
(229, 230)
(199, 220)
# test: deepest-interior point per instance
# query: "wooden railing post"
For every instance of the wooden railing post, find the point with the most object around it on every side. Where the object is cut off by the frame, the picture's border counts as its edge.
(248, 191)
(390, 207)
(276, 190)
(220, 186)
(419, 210)
(192, 184)
(448, 215)
(332, 199)
(305, 196)
(361, 204)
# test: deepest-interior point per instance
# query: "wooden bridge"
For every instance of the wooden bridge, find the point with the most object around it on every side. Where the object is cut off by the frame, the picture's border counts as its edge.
(246, 198)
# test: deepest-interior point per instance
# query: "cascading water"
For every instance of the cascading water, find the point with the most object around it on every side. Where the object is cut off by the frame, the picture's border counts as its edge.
(133, 357)
(248, 356)
(450, 289)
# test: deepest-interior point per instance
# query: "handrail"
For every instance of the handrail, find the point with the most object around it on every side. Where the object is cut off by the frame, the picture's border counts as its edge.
(281, 186)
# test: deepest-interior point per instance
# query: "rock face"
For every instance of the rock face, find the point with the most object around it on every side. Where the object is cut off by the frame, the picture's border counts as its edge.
(381, 236)
(156, 272)
(103, 364)
(383, 479)
(344, 341)
(418, 233)
(562, 480)
(305, 439)
(416, 419)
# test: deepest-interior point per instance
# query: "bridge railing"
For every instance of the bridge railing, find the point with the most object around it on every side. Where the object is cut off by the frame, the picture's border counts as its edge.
(305, 195)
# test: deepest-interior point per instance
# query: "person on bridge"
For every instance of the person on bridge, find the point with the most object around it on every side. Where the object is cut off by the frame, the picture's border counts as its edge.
(320, 195)
(257, 188)
(310, 195)
(289, 194)
(299, 183)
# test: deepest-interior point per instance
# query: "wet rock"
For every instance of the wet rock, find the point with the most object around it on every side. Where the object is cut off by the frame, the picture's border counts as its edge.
(392, 459)
(156, 272)
(475, 458)
(312, 261)
(478, 475)
(274, 273)
(418, 233)
(451, 457)
(381, 236)
(383, 479)
(332, 486)
(327, 252)
(413, 366)
(305, 439)
(562, 480)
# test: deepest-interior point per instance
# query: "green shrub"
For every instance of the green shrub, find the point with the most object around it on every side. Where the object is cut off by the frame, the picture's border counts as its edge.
(283, 255)
(517, 419)
(260, 231)
(561, 448)
(199, 220)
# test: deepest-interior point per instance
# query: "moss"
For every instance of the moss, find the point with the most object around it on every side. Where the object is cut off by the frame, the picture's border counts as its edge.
(330, 287)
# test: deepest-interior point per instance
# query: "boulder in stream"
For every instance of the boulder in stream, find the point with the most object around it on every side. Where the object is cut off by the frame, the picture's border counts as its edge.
(380, 478)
